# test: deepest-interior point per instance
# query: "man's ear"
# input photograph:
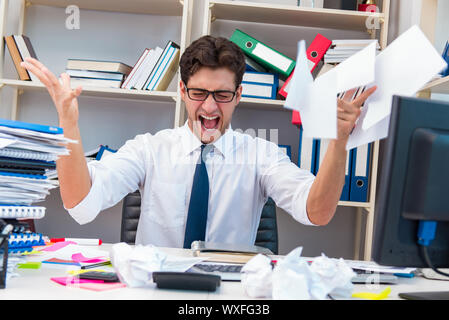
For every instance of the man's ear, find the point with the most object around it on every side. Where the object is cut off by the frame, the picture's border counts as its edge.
(182, 89)
(238, 94)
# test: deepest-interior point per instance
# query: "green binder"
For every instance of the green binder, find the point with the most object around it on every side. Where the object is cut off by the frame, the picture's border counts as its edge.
(263, 54)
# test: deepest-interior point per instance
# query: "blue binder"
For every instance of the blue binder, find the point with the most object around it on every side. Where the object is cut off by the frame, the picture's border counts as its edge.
(322, 146)
(286, 149)
(102, 150)
(360, 173)
(445, 72)
(30, 126)
(264, 83)
(307, 152)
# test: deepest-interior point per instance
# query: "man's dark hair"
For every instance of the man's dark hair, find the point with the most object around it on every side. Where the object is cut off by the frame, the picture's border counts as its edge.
(212, 52)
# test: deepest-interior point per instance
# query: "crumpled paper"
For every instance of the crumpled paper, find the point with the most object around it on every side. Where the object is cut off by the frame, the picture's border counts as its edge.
(135, 265)
(294, 278)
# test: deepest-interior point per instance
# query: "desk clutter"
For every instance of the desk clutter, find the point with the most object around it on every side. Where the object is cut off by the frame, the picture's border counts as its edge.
(120, 266)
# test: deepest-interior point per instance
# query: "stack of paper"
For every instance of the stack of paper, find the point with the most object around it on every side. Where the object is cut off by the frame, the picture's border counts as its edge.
(27, 152)
(341, 50)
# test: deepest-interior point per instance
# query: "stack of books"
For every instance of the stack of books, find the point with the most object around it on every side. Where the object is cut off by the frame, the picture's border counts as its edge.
(19, 47)
(97, 73)
(28, 151)
(341, 50)
(154, 69)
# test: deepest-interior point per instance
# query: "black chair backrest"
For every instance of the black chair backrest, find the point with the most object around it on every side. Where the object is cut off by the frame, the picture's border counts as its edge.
(267, 234)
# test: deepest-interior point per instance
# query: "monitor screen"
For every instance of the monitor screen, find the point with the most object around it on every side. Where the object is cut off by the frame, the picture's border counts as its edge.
(414, 184)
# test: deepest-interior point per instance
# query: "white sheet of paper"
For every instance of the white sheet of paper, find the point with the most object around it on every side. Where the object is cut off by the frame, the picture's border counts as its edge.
(6, 142)
(403, 68)
(360, 137)
(298, 93)
(317, 100)
(358, 70)
(320, 118)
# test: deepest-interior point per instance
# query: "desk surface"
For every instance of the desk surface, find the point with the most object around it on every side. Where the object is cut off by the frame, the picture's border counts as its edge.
(36, 284)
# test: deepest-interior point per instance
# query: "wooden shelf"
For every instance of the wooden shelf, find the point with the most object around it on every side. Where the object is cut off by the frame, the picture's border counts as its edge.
(117, 93)
(438, 86)
(291, 15)
(354, 204)
(262, 104)
(157, 7)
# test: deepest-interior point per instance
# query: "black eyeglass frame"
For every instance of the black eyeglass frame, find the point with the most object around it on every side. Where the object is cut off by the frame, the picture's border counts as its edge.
(210, 92)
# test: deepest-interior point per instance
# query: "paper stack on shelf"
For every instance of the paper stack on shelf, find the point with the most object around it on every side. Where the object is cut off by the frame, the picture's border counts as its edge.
(341, 50)
(109, 74)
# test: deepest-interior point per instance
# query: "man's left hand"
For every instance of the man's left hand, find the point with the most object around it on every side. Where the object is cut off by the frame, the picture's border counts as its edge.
(348, 112)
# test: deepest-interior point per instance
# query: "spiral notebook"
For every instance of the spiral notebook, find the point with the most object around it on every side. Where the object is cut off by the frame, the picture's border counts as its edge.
(27, 154)
(26, 212)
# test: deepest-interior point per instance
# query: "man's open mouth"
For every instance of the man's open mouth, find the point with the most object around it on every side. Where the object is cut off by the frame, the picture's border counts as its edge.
(209, 122)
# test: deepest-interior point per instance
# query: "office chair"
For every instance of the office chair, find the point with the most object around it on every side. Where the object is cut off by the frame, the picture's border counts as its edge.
(267, 235)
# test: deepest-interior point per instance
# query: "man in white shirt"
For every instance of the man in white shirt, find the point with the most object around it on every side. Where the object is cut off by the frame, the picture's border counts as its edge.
(201, 181)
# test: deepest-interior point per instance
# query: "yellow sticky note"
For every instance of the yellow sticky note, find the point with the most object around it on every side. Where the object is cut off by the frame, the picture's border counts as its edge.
(373, 296)
(79, 271)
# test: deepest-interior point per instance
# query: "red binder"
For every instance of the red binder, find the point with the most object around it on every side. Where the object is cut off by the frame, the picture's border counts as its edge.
(315, 52)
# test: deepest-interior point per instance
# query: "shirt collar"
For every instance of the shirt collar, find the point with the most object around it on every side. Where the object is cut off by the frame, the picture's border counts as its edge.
(190, 142)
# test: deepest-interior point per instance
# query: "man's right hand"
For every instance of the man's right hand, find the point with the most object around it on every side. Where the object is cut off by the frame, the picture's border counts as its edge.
(64, 98)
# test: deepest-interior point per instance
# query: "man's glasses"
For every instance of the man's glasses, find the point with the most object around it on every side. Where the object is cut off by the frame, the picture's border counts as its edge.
(221, 96)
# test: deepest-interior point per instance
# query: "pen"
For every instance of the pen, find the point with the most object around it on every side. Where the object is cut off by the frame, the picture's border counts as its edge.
(105, 263)
(80, 241)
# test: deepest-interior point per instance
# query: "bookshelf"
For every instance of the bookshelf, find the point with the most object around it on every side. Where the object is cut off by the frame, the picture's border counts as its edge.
(241, 11)
(180, 8)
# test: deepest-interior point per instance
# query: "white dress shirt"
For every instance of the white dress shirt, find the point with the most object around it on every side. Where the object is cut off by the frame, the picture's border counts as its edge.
(243, 172)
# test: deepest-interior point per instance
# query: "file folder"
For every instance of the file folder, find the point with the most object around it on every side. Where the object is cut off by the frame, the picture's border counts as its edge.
(347, 186)
(260, 85)
(263, 54)
(445, 72)
(286, 149)
(315, 52)
(360, 173)
(306, 152)
(322, 146)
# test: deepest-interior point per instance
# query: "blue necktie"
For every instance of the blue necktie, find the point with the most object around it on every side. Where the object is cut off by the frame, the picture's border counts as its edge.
(199, 199)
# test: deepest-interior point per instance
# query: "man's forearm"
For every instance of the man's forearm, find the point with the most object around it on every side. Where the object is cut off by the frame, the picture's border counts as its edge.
(326, 190)
(73, 175)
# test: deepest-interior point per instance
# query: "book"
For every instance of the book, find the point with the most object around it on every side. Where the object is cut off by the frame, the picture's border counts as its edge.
(224, 252)
(147, 67)
(126, 83)
(260, 85)
(16, 58)
(98, 65)
(158, 67)
(88, 74)
(169, 71)
(103, 83)
(26, 51)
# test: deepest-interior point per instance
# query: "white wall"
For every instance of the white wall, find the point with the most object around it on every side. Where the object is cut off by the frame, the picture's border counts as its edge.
(116, 36)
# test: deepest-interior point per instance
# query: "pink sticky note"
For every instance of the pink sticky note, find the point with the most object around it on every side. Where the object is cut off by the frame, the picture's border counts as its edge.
(57, 246)
(78, 257)
(65, 281)
(94, 285)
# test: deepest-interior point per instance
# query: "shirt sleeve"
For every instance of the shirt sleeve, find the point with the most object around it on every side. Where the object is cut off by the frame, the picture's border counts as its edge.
(113, 178)
(284, 182)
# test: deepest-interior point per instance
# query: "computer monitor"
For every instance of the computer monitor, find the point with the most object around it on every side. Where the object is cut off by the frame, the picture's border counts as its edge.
(414, 186)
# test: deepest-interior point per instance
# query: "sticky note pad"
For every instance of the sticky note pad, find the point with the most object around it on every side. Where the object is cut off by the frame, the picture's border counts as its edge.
(29, 265)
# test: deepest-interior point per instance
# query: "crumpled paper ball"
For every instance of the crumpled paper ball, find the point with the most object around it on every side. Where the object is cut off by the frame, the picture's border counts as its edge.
(294, 278)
